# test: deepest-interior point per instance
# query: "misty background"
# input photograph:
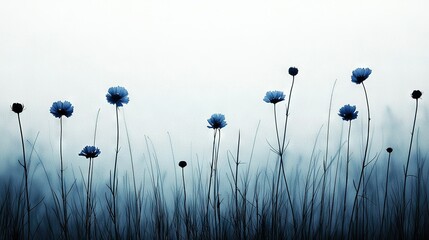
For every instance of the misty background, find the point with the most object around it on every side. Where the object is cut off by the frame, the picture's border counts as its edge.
(182, 61)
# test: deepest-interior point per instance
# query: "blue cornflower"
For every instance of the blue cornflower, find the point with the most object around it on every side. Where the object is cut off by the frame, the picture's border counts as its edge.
(60, 109)
(90, 152)
(117, 95)
(216, 121)
(348, 112)
(274, 97)
(360, 74)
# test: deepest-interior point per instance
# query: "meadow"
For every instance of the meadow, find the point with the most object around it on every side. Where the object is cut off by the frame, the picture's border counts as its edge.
(346, 187)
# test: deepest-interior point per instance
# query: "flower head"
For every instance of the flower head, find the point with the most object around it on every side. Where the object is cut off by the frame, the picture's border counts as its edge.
(17, 108)
(389, 149)
(360, 74)
(348, 112)
(293, 71)
(182, 164)
(90, 152)
(416, 94)
(117, 95)
(217, 121)
(60, 109)
(274, 97)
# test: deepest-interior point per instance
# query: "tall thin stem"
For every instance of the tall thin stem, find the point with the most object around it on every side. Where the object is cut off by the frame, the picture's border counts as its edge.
(347, 179)
(281, 157)
(385, 195)
(211, 170)
(88, 200)
(363, 161)
(280, 153)
(216, 206)
(24, 165)
(136, 195)
(325, 165)
(281, 169)
(287, 113)
(63, 190)
(188, 233)
(406, 168)
(115, 179)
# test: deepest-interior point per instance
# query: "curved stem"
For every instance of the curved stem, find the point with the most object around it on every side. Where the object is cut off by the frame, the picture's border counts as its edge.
(325, 167)
(280, 153)
(287, 113)
(385, 195)
(363, 161)
(281, 157)
(406, 168)
(347, 179)
(211, 170)
(24, 165)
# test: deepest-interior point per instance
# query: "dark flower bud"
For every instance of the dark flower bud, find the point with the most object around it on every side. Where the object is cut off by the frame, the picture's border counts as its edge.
(293, 71)
(17, 107)
(416, 94)
(389, 149)
(182, 164)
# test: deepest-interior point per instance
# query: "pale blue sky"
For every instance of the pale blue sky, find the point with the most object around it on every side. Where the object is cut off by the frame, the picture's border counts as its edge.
(181, 61)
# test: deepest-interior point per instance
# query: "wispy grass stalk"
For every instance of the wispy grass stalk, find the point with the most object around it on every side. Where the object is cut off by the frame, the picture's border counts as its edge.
(325, 166)
(137, 202)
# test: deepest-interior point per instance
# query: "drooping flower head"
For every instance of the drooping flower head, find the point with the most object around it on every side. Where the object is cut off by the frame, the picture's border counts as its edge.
(90, 152)
(416, 94)
(360, 74)
(389, 150)
(348, 112)
(217, 121)
(17, 108)
(182, 164)
(60, 109)
(118, 96)
(274, 97)
(293, 71)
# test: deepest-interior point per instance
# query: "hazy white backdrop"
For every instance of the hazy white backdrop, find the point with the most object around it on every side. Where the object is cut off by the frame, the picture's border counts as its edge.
(183, 60)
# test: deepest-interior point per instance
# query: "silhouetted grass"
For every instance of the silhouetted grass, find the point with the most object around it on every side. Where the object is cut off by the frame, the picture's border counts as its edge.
(287, 195)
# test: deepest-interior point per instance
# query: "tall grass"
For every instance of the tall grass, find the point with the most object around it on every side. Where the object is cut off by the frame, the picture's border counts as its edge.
(229, 195)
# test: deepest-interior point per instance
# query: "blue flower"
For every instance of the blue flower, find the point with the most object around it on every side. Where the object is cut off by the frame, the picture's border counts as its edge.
(360, 74)
(274, 97)
(117, 95)
(216, 121)
(348, 112)
(90, 152)
(60, 109)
